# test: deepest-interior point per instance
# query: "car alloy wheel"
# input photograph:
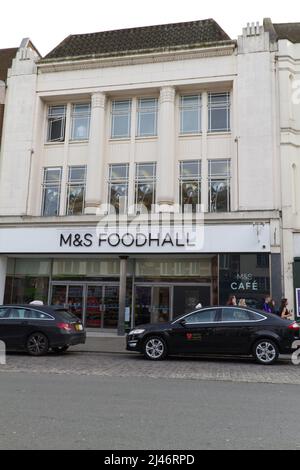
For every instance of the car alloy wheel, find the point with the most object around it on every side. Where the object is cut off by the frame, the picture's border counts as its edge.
(37, 344)
(155, 349)
(266, 352)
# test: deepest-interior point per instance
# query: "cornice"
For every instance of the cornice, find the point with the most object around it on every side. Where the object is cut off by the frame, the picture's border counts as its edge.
(104, 62)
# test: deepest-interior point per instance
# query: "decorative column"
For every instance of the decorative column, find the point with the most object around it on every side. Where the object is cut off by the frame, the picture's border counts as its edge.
(95, 177)
(3, 266)
(166, 154)
(122, 295)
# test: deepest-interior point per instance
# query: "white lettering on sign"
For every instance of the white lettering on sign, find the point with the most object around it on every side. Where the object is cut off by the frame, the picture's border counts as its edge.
(244, 282)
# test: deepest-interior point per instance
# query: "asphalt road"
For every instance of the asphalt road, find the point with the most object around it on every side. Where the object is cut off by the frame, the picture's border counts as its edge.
(43, 409)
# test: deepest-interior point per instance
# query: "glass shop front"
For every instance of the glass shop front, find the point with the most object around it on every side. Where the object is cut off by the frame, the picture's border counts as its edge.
(158, 288)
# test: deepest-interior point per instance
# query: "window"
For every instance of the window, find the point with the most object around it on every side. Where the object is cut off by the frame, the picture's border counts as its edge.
(76, 190)
(219, 185)
(219, 112)
(145, 186)
(263, 260)
(237, 315)
(118, 187)
(190, 114)
(147, 117)
(56, 123)
(121, 119)
(81, 115)
(3, 312)
(190, 185)
(51, 192)
(206, 316)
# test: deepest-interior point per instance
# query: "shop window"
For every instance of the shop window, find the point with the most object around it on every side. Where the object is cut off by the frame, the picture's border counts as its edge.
(51, 192)
(118, 188)
(219, 175)
(263, 260)
(81, 116)
(145, 186)
(190, 114)
(219, 112)
(56, 123)
(147, 117)
(190, 185)
(76, 190)
(121, 119)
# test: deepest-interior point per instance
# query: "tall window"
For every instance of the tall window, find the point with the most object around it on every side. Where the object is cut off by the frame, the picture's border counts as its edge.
(121, 119)
(219, 185)
(145, 186)
(219, 112)
(76, 190)
(190, 114)
(81, 115)
(51, 192)
(118, 187)
(56, 123)
(147, 117)
(190, 185)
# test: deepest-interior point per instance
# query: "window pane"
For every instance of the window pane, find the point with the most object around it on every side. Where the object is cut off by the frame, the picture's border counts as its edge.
(76, 200)
(3, 312)
(56, 123)
(147, 170)
(80, 122)
(219, 196)
(147, 117)
(207, 316)
(219, 168)
(145, 194)
(51, 201)
(119, 172)
(121, 117)
(77, 174)
(118, 197)
(191, 194)
(190, 169)
(52, 175)
(236, 315)
(190, 114)
(219, 112)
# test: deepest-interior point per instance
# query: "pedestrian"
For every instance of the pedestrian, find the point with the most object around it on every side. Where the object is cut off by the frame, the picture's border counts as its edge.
(232, 302)
(284, 311)
(273, 306)
(266, 306)
(242, 303)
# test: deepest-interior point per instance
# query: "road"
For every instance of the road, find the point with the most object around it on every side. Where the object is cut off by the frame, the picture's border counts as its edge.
(120, 402)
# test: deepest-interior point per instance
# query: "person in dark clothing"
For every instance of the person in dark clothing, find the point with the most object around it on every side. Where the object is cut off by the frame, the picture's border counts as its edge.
(284, 311)
(266, 306)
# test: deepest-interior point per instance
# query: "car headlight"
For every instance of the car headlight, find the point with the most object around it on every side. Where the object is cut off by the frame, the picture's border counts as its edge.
(136, 332)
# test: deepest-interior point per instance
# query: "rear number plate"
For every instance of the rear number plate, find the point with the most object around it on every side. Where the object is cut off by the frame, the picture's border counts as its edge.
(79, 328)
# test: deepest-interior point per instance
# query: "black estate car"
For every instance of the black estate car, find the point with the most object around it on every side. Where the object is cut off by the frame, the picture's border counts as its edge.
(219, 331)
(38, 329)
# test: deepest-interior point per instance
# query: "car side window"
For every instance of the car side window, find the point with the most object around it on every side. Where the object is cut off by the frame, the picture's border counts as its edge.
(17, 314)
(35, 315)
(203, 316)
(3, 312)
(236, 315)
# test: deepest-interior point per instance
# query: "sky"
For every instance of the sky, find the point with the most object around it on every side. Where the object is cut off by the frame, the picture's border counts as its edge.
(48, 23)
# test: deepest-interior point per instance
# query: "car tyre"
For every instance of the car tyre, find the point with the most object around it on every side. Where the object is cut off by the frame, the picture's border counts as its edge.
(266, 352)
(155, 348)
(37, 345)
(60, 350)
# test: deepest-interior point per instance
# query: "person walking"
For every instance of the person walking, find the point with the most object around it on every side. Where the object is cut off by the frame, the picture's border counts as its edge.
(284, 312)
(266, 305)
(242, 303)
(232, 302)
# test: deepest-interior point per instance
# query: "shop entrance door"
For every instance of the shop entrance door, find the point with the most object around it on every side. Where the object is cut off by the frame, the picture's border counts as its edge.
(152, 304)
(96, 305)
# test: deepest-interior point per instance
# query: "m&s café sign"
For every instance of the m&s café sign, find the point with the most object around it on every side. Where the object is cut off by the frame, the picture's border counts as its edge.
(244, 283)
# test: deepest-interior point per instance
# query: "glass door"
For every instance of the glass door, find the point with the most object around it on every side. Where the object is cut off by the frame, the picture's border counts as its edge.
(111, 307)
(94, 307)
(143, 296)
(75, 301)
(161, 297)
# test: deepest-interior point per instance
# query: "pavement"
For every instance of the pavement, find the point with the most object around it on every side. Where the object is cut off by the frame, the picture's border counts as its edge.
(102, 343)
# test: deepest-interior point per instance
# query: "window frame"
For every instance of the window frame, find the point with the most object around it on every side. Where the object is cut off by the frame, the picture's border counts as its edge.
(197, 107)
(147, 179)
(221, 178)
(115, 113)
(115, 181)
(147, 110)
(75, 183)
(225, 106)
(74, 115)
(46, 185)
(52, 118)
(190, 179)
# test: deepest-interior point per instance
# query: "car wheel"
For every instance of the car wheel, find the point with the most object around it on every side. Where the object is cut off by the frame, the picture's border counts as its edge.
(60, 350)
(266, 352)
(155, 348)
(37, 344)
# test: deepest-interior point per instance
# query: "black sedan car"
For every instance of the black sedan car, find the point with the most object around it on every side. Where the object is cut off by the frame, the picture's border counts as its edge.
(218, 331)
(38, 330)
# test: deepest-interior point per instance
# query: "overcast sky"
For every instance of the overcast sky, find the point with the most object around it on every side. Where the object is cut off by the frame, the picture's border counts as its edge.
(48, 23)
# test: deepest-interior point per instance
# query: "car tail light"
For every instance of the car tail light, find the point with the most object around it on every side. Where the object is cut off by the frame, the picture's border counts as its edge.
(294, 326)
(65, 326)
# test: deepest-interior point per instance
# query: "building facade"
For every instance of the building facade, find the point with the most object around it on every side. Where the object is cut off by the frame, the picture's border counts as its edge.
(114, 128)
